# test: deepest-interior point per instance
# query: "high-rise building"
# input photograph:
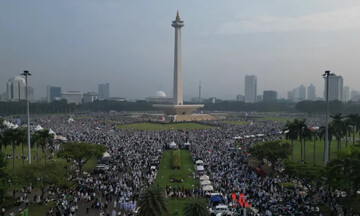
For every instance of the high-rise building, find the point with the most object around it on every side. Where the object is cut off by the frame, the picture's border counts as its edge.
(15, 89)
(104, 91)
(269, 96)
(250, 88)
(355, 96)
(311, 95)
(72, 97)
(346, 94)
(90, 97)
(335, 88)
(302, 93)
(53, 93)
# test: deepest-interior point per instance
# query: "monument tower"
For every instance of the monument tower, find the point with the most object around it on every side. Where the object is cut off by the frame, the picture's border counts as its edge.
(177, 92)
(178, 111)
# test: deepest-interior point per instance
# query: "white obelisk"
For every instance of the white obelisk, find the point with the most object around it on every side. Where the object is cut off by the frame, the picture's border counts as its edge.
(177, 97)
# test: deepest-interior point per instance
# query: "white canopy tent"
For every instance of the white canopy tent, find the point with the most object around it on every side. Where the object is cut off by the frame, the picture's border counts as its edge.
(260, 135)
(208, 188)
(186, 144)
(51, 132)
(199, 163)
(204, 177)
(106, 155)
(70, 120)
(172, 145)
(38, 128)
(14, 126)
(205, 182)
(62, 138)
(200, 168)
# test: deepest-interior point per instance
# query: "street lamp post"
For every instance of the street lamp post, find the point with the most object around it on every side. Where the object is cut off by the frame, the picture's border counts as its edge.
(26, 74)
(326, 156)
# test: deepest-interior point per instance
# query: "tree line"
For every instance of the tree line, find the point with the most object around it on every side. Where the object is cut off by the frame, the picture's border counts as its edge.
(61, 106)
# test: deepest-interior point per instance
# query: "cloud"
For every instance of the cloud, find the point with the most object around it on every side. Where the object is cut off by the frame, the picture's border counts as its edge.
(347, 18)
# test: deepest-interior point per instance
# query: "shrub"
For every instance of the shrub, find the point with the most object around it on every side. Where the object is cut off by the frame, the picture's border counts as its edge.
(175, 159)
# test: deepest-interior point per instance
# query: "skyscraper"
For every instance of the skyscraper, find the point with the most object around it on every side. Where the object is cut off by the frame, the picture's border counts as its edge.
(104, 91)
(346, 94)
(302, 93)
(311, 95)
(250, 88)
(335, 88)
(53, 93)
(15, 88)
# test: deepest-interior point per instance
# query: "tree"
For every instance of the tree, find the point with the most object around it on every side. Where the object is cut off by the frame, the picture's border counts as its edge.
(273, 151)
(44, 140)
(315, 136)
(304, 134)
(354, 122)
(45, 177)
(344, 172)
(330, 136)
(305, 171)
(152, 202)
(196, 207)
(339, 128)
(291, 134)
(81, 152)
(14, 137)
(3, 177)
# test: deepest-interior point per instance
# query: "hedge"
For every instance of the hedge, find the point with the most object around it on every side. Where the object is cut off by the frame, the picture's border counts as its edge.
(175, 159)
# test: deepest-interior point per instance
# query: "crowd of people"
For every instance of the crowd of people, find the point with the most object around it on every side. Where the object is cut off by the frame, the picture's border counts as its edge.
(117, 190)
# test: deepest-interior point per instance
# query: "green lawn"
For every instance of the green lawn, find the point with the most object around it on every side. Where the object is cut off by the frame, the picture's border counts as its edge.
(236, 122)
(186, 170)
(165, 126)
(278, 119)
(319, 149)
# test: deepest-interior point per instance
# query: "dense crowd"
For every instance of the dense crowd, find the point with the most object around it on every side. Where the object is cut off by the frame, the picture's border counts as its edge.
(133, 152)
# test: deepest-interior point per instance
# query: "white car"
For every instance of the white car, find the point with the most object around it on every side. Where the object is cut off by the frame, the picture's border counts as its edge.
(219, 209)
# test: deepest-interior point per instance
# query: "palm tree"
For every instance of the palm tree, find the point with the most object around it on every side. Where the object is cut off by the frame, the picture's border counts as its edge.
(291, 134)
(152, 202)
(340, 128)
(354, 121)
(43, 140)
(303, 133)
(315, 135)
(21, 139)
(196, 207)
(10, 136)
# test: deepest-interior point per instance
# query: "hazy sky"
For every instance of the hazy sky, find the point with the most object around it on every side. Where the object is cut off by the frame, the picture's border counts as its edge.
(77, 44)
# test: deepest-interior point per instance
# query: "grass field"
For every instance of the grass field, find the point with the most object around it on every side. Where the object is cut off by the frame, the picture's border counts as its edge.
(278, 119)
(168, 126)
(237, 122)
(319, 150)
(186, 170)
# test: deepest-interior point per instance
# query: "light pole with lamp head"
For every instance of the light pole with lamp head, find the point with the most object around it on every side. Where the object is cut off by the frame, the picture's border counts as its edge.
(26, 74)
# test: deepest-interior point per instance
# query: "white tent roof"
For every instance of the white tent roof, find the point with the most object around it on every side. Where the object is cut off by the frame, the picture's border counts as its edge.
(204, 177)
(38, 128)
(60, 137)
(51, 132)
(172, 144)
(187, 143)
(205, 182)
(199, 162)
(200, 168)
(106, 155)
(252, 136)
(247, 136)
(71, 120)
(287, 131)
(260, 135)
(208, 188)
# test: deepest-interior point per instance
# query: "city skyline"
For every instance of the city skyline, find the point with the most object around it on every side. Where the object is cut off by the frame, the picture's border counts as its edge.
(300, 41)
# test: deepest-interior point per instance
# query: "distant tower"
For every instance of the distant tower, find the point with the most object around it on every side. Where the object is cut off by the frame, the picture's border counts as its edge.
(250, 88)
(199, 100)
(177, 98)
